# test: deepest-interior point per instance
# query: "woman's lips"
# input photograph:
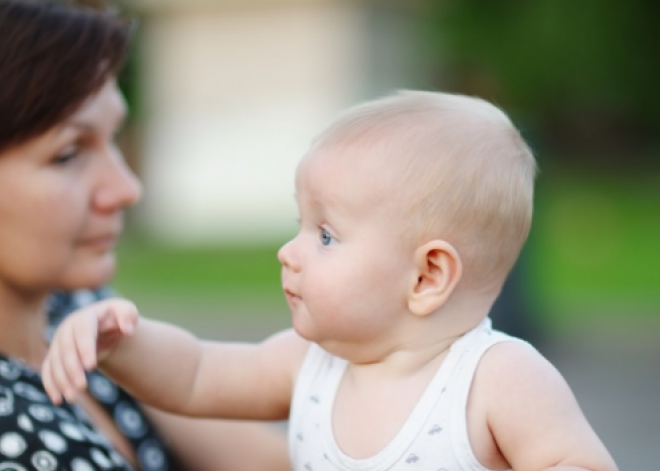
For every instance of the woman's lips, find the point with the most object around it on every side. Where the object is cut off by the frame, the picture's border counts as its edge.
(101, 243)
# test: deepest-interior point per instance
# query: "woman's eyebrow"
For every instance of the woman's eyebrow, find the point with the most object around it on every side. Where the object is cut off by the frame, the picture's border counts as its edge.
(84, 125)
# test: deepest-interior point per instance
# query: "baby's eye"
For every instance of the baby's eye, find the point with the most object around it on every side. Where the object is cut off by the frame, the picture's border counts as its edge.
(326, 237)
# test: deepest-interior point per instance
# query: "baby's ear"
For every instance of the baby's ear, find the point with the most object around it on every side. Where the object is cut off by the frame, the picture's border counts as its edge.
(438, 271)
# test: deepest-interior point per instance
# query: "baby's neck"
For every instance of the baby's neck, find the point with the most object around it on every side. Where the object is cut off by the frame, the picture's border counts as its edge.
(405, 362)
(419, 341)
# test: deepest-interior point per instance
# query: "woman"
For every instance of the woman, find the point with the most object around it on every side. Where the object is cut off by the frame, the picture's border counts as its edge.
(63, 188)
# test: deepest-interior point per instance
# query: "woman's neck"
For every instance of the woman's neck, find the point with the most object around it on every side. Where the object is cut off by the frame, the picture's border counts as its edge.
(23, 324)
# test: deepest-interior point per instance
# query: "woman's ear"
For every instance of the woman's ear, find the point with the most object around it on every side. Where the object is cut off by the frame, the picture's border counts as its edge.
(438, 271)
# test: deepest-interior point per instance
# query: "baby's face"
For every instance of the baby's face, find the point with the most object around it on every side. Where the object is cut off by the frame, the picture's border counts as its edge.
(345, 273)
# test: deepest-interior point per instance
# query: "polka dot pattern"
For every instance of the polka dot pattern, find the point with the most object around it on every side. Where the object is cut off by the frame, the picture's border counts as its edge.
(37, 436)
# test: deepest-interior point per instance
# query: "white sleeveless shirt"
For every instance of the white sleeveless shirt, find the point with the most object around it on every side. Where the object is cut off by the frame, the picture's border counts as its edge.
(433, 438)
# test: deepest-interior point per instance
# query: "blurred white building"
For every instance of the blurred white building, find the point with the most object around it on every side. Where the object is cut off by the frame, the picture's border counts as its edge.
(232, 93)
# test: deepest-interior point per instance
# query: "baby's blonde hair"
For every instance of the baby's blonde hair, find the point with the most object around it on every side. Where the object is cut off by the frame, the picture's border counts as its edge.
(463, 174)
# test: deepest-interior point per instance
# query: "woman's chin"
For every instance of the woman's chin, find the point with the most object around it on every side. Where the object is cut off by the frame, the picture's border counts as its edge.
(93, 275)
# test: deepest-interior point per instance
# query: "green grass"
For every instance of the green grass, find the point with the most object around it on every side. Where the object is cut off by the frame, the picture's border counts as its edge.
(594, 251)
(194, 271)
(595, 245)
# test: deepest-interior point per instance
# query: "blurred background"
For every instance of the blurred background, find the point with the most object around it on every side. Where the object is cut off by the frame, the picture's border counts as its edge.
(226, 96)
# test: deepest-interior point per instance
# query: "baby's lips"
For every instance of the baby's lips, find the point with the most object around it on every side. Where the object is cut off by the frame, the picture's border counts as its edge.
(291, 296)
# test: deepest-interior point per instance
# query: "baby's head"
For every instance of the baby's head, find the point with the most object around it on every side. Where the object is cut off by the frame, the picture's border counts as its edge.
(448, 167)
(402, 200)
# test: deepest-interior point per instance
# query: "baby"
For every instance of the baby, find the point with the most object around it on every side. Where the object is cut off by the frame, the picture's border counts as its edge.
(413, 209)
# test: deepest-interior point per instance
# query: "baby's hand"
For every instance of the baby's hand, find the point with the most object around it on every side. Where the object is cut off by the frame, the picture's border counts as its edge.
(85, 338)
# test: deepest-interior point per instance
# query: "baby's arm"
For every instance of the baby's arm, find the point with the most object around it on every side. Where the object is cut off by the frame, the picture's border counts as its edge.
(532, 414)
(169, 368)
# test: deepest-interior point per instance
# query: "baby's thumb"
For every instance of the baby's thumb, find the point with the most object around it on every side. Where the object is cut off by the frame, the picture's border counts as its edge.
(118, 317)
(127, 324)
(127, 317)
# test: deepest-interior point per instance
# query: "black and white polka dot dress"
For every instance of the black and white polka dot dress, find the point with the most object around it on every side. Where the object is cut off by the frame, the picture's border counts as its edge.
(35, 435)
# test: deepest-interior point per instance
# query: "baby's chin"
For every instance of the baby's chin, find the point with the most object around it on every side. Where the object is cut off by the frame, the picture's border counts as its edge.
(302, 328)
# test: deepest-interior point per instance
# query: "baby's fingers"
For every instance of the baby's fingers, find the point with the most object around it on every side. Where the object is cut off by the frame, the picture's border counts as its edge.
(49, 382)
(82, 342)
(62, 371)
(72, 352)
(118, 315)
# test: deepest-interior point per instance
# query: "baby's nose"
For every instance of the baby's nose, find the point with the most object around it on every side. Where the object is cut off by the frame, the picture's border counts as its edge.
(287, 256)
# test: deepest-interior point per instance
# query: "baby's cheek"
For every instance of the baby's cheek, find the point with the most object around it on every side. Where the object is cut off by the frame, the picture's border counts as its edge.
(323, 298)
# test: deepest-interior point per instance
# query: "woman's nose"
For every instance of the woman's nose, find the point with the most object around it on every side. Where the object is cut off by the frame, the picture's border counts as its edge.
(120, 187)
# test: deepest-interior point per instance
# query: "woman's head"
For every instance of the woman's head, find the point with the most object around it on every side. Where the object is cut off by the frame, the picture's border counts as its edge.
(54, 54)
(63, 181)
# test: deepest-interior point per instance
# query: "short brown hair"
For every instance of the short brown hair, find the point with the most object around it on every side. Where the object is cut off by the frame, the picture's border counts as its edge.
(54, 54)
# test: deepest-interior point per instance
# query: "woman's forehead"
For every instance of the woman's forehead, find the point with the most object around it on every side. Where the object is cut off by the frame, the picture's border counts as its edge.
(106, 106)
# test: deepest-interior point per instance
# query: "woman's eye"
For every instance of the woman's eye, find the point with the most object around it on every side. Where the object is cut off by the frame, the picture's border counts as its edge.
(66, 156)
(326, 238)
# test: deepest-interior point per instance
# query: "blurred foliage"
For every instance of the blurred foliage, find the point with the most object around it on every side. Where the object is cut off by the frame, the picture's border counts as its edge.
(593, 251)
(581, 75)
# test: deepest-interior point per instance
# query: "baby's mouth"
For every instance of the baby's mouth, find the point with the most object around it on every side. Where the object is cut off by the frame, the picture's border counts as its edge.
(291, 296)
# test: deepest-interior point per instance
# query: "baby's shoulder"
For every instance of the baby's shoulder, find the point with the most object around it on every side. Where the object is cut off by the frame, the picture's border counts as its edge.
(513, 361)
(526, 407)
(512, 372)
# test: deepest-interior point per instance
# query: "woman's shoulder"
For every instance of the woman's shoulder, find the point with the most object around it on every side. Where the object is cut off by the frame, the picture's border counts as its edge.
(37, 435)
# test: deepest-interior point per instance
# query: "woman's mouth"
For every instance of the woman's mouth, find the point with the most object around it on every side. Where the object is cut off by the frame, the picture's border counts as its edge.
(101, 243)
